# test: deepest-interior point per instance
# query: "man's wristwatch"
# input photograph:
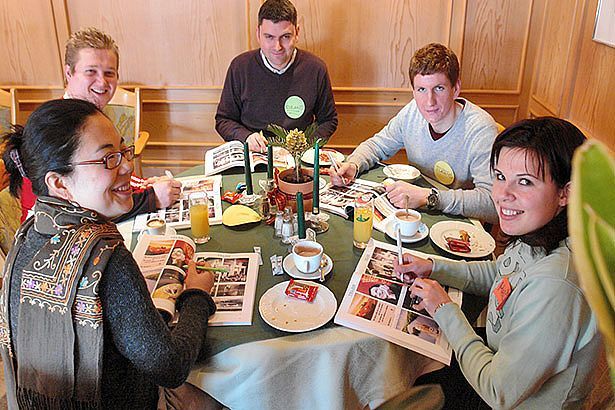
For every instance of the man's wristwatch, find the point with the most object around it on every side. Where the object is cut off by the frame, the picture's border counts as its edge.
(433, 199)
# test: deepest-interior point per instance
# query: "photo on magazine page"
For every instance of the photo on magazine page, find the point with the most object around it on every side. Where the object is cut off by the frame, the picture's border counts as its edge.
(235, 277)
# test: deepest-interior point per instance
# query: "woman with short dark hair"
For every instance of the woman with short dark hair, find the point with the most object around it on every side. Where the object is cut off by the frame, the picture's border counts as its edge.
(541, 337)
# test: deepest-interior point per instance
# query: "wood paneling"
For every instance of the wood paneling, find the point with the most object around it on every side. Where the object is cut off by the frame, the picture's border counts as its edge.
(168, 42)
(367, 43)
(556, 44)
(29, 52)
(574, 74)
(593, 95)
(495, 45)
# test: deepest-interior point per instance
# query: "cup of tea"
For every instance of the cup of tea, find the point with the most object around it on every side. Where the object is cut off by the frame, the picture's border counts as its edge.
(156, 226)
(307, 256)
(408, 222)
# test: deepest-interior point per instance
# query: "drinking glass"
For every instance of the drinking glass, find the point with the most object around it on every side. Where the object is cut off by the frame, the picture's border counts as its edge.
(199, 216)
(363, 220)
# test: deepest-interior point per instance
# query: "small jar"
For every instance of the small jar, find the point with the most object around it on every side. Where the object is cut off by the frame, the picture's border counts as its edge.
(287, 229)
(277, 225)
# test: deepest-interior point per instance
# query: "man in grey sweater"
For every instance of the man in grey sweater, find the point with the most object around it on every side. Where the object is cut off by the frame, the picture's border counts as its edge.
(446, 137)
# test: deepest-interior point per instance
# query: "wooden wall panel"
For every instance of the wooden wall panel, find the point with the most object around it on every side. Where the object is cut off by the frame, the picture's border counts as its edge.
(555, 49)
(168, 42)
(495, 45)
(591, 105)
(576, 80)
(367, 43)
(29, 51)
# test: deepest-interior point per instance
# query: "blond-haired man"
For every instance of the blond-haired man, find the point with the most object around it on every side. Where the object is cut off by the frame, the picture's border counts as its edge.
(91, 66)
(91, 71)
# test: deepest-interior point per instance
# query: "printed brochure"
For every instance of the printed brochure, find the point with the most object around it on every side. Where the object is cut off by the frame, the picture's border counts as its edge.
(377, 302)
(178, 214)
(230, 155)
(164, 263)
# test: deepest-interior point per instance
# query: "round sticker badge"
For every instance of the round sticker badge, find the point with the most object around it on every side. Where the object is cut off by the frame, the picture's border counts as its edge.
(444, 173)
(294, 107)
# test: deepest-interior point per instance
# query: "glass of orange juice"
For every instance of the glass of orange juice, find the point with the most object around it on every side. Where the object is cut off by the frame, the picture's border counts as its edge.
(363, 220)
(199, 216)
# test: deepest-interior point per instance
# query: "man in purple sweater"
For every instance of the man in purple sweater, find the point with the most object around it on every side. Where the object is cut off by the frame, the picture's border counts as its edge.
(277, 83)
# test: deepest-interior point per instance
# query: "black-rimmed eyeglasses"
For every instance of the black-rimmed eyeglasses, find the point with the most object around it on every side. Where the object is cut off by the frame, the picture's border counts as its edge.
(113, 159)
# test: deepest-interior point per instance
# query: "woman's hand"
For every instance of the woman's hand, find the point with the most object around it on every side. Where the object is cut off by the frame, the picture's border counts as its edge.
(199, 279)
(431, 293)
(412, 267)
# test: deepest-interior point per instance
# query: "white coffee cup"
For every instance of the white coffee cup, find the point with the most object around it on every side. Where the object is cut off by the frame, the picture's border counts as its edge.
(408, 222)
(156, 226)
(307, 256)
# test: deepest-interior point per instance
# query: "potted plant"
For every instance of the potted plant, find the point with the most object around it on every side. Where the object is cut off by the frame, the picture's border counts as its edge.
(296, 179)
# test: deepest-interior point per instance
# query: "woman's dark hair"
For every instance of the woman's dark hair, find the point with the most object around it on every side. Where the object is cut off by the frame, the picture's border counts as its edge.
(47, 143)
(552, 141)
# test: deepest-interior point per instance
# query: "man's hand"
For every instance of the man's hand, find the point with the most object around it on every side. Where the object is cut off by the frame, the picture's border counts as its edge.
(167, 191)
(398, 191)
(199, 279)
(256, 142)
(412, 267)
(344, 174)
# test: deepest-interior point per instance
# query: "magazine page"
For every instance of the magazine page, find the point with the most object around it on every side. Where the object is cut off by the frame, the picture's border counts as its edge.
(378, 303)
(230, 155)
(178, 215)
(164, 262)
(226, 156)
(340, 199)
(235, 276)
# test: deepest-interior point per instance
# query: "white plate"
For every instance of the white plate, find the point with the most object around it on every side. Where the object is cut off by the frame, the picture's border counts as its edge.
(402, 171)
(291, 269)
(170, 231)
(390, 229)
(481, 243)
(308, 156)
(293, 315)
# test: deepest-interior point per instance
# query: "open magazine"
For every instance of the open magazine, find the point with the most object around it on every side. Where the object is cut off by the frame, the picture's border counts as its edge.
(230, 155)
(164, 263)
(178, 215)
(339, 200)
(378, 303)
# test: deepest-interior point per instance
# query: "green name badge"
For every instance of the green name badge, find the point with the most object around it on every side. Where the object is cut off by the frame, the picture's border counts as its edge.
(294, 107)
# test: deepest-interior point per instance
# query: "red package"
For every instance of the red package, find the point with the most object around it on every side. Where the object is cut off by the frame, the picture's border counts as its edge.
(301, 291)
(231, 197)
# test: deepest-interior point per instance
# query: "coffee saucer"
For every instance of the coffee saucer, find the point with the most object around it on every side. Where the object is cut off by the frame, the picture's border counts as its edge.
(289, 267)
(390, 228)
(170, 231)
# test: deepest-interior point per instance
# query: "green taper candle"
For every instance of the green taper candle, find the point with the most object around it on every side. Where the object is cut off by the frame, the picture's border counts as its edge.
(316, 197)
(300, 216)
(269, 161)
(248, 171)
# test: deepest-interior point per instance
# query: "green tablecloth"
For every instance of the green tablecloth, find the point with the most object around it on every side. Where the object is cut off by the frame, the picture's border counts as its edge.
(337, 243)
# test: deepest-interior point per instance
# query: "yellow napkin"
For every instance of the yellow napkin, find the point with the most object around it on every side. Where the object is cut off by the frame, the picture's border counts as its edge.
(236, 215)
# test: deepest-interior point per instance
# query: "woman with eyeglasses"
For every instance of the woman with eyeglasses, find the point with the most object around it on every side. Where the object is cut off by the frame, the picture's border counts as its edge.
(78, 328)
